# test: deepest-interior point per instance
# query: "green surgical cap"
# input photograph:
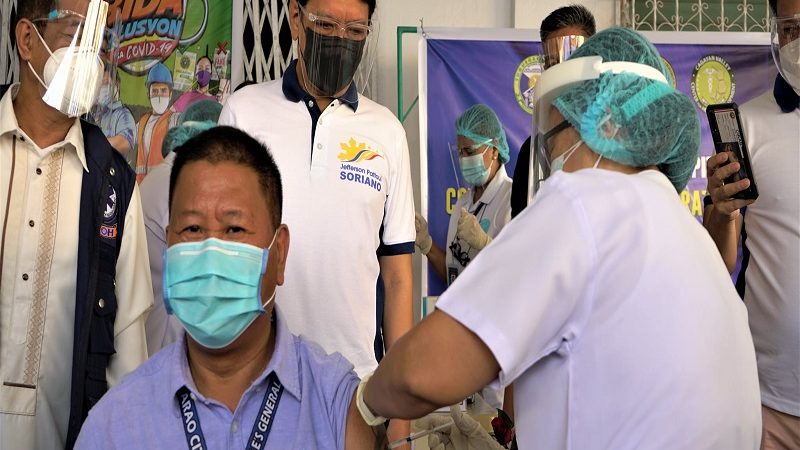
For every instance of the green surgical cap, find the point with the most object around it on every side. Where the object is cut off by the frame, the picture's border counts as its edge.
(177, 136)
(481, 125)
(202, 111)
(630, 119)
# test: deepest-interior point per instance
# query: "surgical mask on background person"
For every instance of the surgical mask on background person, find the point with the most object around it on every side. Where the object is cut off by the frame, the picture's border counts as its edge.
(558, 163)
(213, 287)
(104, 96)
(474, 170)
(159, 104)
(85, 67)
(331, 61)
(203, 78)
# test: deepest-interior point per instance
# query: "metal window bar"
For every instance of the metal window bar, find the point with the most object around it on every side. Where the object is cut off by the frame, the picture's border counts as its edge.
(696, 15)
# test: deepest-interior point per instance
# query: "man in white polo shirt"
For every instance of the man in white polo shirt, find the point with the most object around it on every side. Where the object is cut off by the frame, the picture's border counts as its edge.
(769, 230)
(347, 183)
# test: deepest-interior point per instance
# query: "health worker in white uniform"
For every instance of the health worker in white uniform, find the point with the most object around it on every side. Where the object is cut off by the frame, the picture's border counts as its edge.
(481, 212)
(484, 209)
(605, 302)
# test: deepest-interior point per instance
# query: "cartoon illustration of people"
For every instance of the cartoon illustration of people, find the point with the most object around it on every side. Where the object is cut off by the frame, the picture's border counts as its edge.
(153, 126)
(114, 118)
(200, 92)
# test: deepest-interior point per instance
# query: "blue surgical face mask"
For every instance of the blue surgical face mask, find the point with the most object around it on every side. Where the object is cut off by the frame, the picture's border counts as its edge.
(558, 163)
(474, 170)
(213, 287)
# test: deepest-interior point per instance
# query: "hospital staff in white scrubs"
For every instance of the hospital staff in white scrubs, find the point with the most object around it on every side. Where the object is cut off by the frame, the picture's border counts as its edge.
(604, 302)
(484, 209)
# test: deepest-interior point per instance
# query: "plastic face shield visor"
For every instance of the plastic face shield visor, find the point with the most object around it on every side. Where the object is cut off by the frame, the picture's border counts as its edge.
(74, 69)
(559, 49)
(337, 52)
(553, 82)
(785, 44)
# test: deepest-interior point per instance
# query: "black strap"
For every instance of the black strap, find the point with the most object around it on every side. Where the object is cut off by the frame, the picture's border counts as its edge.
(261, 428)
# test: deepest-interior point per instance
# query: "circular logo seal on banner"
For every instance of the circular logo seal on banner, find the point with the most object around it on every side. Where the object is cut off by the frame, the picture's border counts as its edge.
(673, 80)
(525, 78)
(712, 82)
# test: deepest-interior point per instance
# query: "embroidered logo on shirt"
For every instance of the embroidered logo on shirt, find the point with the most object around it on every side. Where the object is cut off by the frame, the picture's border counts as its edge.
(108, 229)
(354, 152)
(358, 152)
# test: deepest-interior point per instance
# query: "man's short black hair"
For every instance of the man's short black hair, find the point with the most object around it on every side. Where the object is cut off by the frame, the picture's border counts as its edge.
(33, 9)
(370, 3)
(228, 144)
(568, 16)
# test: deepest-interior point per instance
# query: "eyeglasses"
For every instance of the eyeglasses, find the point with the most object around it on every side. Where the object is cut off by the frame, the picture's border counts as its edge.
(461, 256)
(328, 26)
(469, 150)
(545, 148)
(788, 28)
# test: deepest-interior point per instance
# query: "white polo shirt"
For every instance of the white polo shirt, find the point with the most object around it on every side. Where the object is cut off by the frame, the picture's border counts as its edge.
(608, 307)
(493, 211)
(772, 224)
(346, 200)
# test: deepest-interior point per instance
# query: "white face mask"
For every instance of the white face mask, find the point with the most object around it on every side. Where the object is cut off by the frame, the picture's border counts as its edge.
(75, 87)
(790, 63)
(104, 97)
(159, 104)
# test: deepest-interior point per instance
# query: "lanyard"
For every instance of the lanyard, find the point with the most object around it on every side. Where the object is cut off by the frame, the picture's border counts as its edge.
(191, 420)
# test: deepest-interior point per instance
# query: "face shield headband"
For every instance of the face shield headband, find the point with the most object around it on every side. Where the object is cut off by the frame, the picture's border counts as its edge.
(553, 82)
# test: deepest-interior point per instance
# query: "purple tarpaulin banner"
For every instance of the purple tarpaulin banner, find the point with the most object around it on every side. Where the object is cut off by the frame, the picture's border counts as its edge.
(502, 74)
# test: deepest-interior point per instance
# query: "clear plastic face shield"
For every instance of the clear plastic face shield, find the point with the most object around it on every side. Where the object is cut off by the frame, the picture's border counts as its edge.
(465, 152)
(336, 52)
(785, 35)
(559, 49)
(108, 91)
(553, 83)
(73, 72)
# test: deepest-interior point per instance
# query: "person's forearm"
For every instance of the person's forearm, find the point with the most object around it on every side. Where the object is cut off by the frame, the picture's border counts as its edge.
(120, 144)
(389, 392)
(436, 364)
(724, 232)
(398, 316)
(437, 258)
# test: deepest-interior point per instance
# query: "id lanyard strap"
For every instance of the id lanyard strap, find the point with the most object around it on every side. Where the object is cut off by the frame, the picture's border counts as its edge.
(191, 421)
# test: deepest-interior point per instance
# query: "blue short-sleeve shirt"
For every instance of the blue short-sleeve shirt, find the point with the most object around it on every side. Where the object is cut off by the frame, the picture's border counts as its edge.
(142, 411)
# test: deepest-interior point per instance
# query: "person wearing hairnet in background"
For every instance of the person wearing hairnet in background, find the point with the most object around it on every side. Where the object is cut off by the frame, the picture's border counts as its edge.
(604, 302)
(479, 215)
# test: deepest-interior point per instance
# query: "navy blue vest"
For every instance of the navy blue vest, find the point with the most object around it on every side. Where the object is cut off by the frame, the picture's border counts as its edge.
(106, 191)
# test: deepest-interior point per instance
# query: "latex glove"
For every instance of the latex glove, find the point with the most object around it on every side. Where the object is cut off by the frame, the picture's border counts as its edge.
(470, 230)
(423, 239)
(465, 433)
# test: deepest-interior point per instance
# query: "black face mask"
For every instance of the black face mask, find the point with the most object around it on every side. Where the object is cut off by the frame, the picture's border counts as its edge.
(334, 62)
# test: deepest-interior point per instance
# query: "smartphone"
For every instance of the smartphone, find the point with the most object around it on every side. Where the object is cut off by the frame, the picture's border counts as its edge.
(728, 135)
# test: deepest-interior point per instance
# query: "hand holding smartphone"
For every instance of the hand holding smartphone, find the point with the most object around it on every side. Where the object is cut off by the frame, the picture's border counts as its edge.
(728, 135)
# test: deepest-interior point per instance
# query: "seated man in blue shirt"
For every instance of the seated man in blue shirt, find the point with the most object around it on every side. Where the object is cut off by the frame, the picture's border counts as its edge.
(238, 378)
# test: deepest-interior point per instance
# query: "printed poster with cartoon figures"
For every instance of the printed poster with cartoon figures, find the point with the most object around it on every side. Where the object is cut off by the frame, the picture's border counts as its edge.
(169, 54)
(506, 78)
